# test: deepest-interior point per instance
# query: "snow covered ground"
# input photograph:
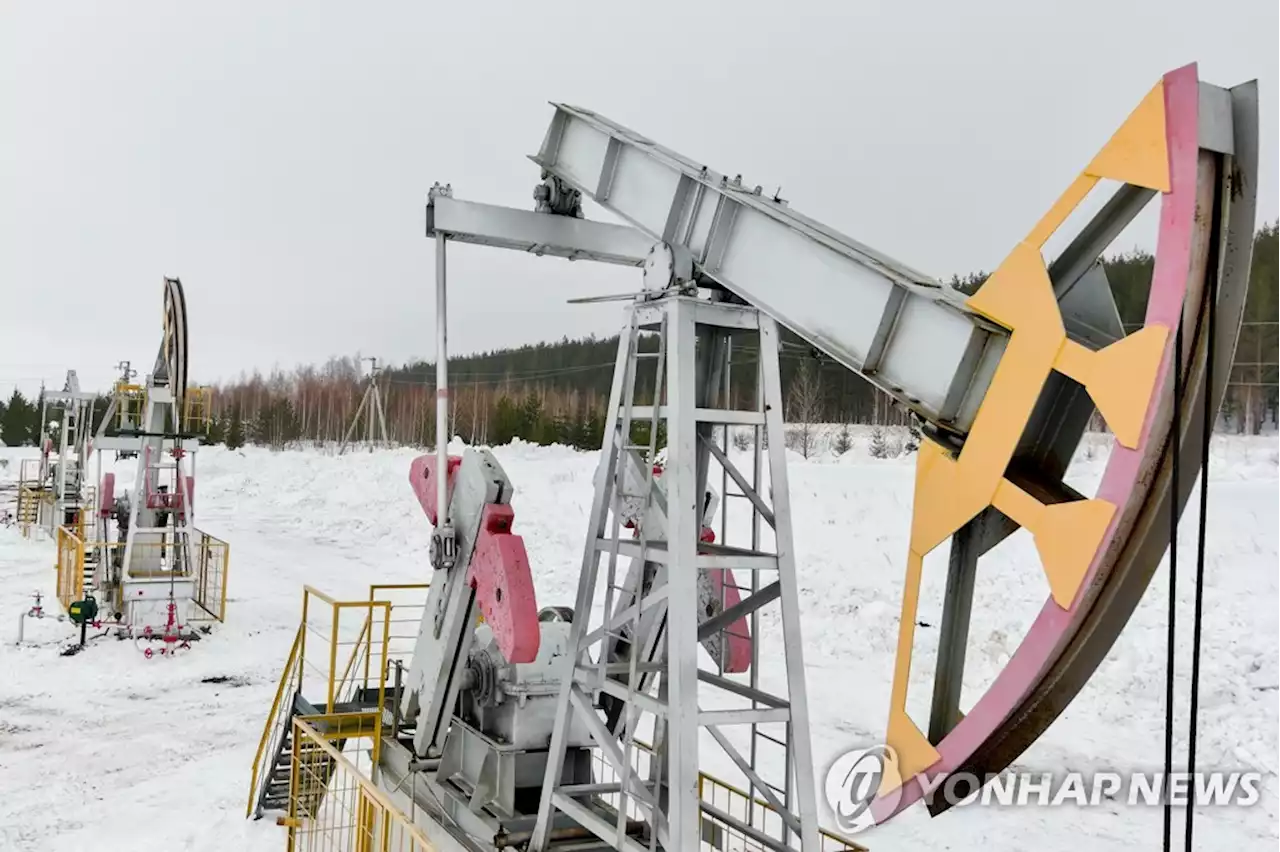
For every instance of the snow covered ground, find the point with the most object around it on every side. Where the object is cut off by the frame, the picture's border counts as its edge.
(108, 750)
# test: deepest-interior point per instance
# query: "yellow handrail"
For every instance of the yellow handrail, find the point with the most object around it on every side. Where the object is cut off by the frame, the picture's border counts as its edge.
(316, 593)
(285, 677)
(69, 568)
(374, 589)
(843, 844)
(334, 685)
(365, 630)
(736, 802)
(364, 817)
(372, 813)
(213, 562)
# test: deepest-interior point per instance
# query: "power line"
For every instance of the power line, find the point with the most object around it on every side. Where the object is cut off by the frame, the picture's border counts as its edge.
(502, 378)
(802, 353)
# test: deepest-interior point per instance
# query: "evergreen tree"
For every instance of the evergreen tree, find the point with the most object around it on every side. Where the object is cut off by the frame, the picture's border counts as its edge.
(547, 431)
(255, 429)
(879, 447)
(505, 422)
(575, 429)
(843, 442)
(216, 433)
(593, 431)
(565, 426)
(276, 425)
(235, 430)
(530, 418)
(18, 428)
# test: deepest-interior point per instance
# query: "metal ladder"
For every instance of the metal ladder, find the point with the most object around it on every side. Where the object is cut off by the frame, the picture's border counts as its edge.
(760, 740)
(634, 590)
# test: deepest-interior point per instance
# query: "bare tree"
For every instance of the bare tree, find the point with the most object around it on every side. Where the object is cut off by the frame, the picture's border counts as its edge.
(804, 409)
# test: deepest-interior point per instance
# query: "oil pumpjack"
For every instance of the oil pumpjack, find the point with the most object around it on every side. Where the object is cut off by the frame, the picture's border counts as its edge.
(152, 568)
(65, 451)
(590, 727)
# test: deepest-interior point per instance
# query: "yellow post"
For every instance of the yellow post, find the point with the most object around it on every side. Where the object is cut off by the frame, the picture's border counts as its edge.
(222, 595)
(57, 565)
(293, 785)
(302, 644)
(386, 651)
(333, 656)
(364, 823)
(77, 582)
(368, 639)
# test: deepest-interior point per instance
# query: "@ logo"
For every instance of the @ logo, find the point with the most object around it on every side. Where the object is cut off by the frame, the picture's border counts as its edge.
(852, 782)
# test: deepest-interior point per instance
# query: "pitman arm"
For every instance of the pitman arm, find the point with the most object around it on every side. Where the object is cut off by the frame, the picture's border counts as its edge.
(492, 570)
(498, 569)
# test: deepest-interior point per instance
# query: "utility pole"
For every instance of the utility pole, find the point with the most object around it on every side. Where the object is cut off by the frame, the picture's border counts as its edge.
(371, 408)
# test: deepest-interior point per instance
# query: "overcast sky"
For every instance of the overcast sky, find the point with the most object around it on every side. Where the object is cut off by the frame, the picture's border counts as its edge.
(276, 155)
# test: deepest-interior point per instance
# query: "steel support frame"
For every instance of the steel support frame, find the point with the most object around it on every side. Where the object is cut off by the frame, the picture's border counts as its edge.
(691, 406)
(75, 407)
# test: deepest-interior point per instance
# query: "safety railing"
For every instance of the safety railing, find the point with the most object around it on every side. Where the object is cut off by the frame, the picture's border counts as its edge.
(339, 661)
(341, 641)
(88, 505)
(408, 600)
(277, 724)
(731, 821)
(210, 573)
(154, 556)
(729, 835)
(341, 651)
(210, 555)
(70, 566)
(333, 804)
(80, 518)
(35, 509)
(196, 406)
(131, 400)
(29, 472)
